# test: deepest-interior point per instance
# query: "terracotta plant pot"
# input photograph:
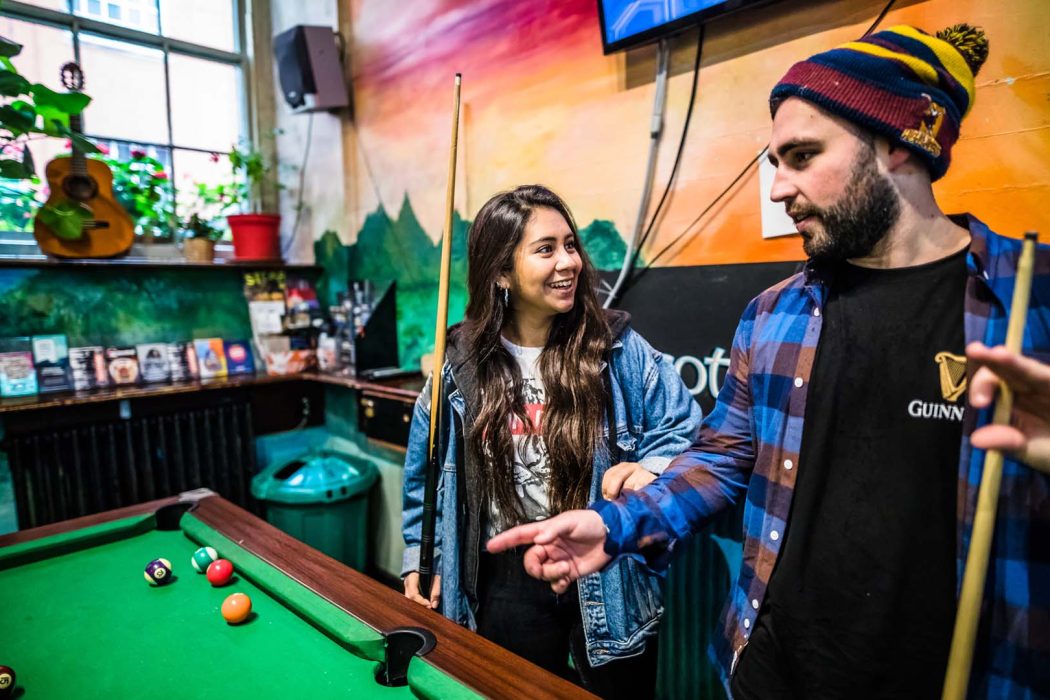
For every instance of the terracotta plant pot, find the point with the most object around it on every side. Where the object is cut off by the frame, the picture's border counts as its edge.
(256, 236)
(198, 249)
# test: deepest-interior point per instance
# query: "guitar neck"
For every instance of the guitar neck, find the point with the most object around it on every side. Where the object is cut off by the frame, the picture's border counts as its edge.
(79, 165)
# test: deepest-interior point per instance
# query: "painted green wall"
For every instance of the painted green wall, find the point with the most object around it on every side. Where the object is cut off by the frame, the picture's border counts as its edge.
(123, 305)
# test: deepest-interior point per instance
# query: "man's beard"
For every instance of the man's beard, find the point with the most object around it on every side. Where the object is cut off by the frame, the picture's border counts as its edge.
(860, 220)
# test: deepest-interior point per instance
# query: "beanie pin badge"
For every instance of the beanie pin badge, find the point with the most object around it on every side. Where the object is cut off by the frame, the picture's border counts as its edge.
(925, 137)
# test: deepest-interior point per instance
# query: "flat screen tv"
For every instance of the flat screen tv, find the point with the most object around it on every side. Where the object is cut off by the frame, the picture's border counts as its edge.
(629, 23)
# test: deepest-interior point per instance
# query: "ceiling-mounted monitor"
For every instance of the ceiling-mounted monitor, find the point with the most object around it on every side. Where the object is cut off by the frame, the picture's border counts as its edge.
(629, 23)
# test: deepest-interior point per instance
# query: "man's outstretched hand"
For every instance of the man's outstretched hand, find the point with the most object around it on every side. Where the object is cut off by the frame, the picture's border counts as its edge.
(1027, 438)
(564, 548)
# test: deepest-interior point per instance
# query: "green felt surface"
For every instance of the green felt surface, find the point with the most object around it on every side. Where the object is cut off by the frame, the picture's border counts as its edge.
(79, 620)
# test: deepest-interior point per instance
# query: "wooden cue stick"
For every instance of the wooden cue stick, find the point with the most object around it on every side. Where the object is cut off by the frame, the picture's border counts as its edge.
(960, 658)
(426, 554)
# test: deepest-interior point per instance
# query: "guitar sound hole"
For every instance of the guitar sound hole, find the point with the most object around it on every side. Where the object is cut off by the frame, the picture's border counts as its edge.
(80, 187)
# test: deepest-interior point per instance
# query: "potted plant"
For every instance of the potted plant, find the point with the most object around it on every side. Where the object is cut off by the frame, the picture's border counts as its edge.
(256, 234)
(198, 239)
(142, 187)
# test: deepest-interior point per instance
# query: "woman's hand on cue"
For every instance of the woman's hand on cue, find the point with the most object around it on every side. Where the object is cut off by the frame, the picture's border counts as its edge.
(412, 591)
(625, 475)
(1028, 436)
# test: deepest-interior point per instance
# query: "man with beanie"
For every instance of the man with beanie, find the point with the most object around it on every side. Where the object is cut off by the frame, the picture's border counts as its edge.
(844, 418)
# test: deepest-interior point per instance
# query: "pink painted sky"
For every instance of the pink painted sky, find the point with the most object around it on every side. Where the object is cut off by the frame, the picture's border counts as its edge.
(542, 104)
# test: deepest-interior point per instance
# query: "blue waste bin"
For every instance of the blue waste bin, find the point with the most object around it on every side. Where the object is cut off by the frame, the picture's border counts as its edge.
(321, 498)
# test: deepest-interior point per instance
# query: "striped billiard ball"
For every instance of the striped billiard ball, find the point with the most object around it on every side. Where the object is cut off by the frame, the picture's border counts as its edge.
(202, 558)
(158, 572)
(7, 681)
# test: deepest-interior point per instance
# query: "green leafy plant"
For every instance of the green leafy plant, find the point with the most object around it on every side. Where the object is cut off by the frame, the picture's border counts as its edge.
(197, 226)
(30, 111)
(252, 172)
(18, 203)
(143, 188)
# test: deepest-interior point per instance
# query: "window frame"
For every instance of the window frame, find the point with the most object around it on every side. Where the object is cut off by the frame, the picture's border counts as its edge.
(17, 243)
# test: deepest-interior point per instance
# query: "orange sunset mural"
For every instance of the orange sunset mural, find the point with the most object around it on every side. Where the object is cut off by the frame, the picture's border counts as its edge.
(542, 104)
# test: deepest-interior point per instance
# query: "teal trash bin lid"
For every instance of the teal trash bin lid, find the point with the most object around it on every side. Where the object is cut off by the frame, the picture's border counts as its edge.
(322, 477)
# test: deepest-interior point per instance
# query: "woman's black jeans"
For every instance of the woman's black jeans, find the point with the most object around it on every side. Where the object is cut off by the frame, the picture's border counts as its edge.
(525, 616)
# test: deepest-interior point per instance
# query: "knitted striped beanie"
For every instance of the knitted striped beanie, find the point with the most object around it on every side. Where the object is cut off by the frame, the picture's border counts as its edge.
(900, 83)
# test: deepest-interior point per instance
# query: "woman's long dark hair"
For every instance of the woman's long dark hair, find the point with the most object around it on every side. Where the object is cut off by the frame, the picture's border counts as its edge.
(570, 364)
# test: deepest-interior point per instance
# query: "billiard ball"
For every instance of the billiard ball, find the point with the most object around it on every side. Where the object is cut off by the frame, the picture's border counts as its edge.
(219, 572)
(158, 572)
(236, 608)
(7, 681)
(202, 558)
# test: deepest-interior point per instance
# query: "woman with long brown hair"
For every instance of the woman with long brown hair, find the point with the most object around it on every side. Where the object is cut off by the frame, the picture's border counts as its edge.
(534, 377)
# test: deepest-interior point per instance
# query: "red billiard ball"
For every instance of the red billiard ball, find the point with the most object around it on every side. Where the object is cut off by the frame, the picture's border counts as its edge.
(220, 572)
(7, 681)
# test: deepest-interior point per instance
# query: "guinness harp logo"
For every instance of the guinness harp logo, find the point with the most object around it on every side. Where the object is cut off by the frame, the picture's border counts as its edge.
(953, 374)
(925, 137)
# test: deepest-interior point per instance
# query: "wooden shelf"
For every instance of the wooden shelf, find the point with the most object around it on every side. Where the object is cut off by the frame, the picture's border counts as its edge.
(403, 388)
(66, 398)
(41, 261)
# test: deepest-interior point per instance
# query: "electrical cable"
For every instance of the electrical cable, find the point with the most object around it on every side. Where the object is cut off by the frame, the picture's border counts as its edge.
(681, 145)
(302, 182)
(656, 127)
(649, 263)
(708, 208)
(632, 254)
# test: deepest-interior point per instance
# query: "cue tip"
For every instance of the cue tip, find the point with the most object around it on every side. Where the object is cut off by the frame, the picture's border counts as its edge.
(1031, 236)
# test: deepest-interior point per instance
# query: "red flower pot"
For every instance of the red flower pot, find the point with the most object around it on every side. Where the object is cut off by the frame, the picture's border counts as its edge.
(256, 236)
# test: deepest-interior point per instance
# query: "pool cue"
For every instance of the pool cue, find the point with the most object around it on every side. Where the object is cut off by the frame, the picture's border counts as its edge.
(960, 658)
(426, 553)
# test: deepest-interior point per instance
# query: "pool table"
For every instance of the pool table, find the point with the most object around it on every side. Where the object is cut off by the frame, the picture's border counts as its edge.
(78, 620)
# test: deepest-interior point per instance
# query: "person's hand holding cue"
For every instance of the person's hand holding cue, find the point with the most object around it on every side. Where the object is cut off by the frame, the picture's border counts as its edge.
(1028, 437)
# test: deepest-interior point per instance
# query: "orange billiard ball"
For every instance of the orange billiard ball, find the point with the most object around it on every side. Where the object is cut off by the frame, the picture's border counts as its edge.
(236, 608)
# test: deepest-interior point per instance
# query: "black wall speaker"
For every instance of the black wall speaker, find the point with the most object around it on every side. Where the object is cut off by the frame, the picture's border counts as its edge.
(309, 68)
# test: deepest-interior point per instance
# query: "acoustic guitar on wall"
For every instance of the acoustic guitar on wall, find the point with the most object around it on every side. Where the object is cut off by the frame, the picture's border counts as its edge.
(83, 189)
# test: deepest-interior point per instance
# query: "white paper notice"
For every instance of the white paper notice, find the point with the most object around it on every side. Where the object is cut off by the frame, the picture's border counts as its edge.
(775, 221)
(265, 317)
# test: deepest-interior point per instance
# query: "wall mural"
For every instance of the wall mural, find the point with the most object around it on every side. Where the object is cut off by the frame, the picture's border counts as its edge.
(123, 306)
(398, 249)
(542, 104)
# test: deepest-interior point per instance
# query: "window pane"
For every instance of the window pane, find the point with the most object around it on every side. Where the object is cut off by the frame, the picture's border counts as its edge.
(59, 5)
(44, 50)
(134, 14)
(127, 84)
(193, 168)
(207, 22)
(205, 103)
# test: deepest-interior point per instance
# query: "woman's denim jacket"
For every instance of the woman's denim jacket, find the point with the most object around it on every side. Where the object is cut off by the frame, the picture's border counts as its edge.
(656, 420)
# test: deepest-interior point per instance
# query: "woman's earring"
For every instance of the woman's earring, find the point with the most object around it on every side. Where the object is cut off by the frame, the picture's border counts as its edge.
(506, 296)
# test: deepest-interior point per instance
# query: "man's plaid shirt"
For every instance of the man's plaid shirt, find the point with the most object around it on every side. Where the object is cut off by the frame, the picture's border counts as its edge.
(749, 446)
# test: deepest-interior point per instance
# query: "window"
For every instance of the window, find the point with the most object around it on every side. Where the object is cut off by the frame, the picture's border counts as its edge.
(167, 82)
